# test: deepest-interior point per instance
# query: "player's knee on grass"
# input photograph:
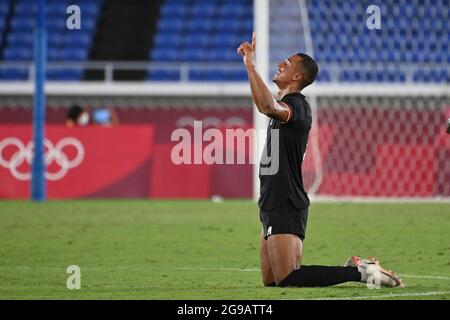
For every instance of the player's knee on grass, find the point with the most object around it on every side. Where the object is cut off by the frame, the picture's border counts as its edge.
(270, 284)
(285, 255)
(267, 281)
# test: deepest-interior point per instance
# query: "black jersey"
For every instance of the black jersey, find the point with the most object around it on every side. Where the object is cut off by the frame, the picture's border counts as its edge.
(287, 182)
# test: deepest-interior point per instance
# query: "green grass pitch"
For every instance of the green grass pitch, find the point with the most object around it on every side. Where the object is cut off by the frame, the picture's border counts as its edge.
(205, 250)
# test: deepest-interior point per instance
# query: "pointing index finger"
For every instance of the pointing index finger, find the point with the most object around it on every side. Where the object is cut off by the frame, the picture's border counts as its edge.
(254, 40)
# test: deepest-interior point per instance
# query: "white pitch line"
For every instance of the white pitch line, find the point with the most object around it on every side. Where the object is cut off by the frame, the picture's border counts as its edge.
(394, 295)
(424, 277)
(218, 269)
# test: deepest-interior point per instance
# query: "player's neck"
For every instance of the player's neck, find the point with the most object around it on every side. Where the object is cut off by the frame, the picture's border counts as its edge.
(289, 89)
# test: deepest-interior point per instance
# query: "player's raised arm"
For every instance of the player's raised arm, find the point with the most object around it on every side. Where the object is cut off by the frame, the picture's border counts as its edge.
(261, 94)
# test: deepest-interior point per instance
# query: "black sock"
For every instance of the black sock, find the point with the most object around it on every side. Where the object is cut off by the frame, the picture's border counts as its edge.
(320, 276)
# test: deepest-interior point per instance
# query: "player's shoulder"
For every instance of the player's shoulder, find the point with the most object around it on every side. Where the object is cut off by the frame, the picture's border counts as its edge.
(294, 99)
(300, 111)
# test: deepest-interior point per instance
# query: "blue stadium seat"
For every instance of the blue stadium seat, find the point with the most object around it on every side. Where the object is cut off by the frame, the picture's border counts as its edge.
(55, 39)
(23, 24)
(197, 75)
(232, 9)
(207, 75)
(56, 9)
(200, 10)
(14, 74)
(164, 54)
(200, 25)
(168, 24)
(237, 75)
(196, 40)
(56, 24)
(224, 55)
(17, 39)
(441, 76)
(193, 55)
(3, 17)
(4, 7)
(18, 54)
(64, 74)
(323, 76)
(73, 54)
(173, 9)
(221, 40)
(76, 38)
(168, 39)
(89, 9)
(26, 8)
(232, 25)
(163, 75)
(68, 54)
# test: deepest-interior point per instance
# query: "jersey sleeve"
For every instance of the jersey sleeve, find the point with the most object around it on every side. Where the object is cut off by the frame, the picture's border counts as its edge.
(297, 110)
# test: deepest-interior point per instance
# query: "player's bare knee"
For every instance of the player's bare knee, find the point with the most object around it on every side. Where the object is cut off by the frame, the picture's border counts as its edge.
(280, 276)
(269, 282)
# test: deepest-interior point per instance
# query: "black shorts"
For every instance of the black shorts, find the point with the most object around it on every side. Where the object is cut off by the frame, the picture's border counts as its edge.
(284, 219)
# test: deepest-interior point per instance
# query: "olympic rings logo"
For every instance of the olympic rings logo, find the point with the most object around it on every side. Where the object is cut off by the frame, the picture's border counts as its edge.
(53, 154)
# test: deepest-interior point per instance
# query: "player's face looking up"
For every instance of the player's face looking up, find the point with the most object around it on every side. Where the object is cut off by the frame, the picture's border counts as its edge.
(299, 70)
(288, 71)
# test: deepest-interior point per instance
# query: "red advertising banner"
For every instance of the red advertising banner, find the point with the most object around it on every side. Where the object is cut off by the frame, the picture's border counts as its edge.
(81, 162)
(126, 161)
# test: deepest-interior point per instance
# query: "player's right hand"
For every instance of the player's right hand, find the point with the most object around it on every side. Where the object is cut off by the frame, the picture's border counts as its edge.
(247, 51)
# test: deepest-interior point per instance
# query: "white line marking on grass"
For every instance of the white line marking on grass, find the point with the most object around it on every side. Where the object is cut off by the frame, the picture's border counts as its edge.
(218, 269)
(392, 295)
(425, 277)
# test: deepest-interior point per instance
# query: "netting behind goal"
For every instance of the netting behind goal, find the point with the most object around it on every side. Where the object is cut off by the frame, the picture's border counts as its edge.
(379, 146)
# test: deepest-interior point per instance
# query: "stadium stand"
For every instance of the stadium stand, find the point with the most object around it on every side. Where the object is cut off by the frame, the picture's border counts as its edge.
(414, 33)
(17, 20)
(196, 39)
(201, 31)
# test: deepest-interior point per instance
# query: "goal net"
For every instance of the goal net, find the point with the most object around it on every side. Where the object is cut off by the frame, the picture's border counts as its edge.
(378, 145)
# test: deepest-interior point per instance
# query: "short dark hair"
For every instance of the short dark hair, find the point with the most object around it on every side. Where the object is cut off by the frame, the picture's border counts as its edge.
(310, 67)
(74, 112)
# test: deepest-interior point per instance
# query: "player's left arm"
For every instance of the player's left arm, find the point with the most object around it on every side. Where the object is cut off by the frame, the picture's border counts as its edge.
(261, 94)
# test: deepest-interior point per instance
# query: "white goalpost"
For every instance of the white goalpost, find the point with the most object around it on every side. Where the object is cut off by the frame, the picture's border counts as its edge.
(261, 26)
